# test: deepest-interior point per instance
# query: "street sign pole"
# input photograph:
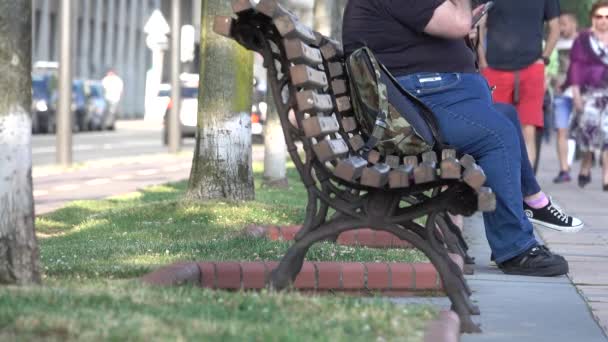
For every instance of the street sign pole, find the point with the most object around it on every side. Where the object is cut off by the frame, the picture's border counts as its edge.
(64, 107)
(156, 29)
(174, 121)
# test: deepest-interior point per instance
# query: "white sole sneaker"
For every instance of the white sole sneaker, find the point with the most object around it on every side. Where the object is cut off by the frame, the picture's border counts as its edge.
(576, 226)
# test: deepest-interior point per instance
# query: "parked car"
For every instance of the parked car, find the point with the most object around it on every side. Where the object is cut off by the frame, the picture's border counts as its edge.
(188, 113)
(43, 104)
(79, 106)
(99, 117)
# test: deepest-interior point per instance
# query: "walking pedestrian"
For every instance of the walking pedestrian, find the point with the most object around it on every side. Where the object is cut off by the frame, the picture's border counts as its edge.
(514, 59)
(562, 102)
(113, 87)
(588, 79)
(422, 44)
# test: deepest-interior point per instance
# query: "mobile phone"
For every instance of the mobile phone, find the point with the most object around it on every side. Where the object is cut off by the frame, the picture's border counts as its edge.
(486, 8)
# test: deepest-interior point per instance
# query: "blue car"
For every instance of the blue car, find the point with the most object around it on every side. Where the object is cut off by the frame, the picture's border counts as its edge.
(44, 96)
(79, 106)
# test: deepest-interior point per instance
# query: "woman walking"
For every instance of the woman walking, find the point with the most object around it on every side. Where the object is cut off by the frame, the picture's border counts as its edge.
(588, 76)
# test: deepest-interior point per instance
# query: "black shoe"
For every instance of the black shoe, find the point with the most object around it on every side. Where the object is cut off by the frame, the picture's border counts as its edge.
(553, 217)
(537, 261)
(562, 177)
(584, 180)
(605, 187)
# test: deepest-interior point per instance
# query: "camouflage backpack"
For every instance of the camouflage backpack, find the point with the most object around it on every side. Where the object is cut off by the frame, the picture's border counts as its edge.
(394, 121)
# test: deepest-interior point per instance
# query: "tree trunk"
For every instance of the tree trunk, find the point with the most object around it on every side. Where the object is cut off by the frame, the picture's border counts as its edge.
(19, 256)
(221, 167)
(275, 149)
(328, 18)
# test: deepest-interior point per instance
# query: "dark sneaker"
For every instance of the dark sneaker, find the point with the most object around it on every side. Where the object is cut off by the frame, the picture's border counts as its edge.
(562, 177)
(537, 261)
(584, 180)
(553, 217)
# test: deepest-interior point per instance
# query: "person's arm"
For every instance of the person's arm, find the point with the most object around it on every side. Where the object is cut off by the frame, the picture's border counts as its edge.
(552, 37)
(452, 19)
(481, 48)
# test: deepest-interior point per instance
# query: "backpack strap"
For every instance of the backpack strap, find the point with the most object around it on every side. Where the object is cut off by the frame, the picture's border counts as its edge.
(380, 125)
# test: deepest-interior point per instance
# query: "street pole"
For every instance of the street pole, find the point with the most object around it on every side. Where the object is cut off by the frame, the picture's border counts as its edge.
(175, 134)
(64, 107)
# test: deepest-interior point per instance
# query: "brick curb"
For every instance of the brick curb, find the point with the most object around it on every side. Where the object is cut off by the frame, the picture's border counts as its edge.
(358, 237)
(389, 278)
(446, 328)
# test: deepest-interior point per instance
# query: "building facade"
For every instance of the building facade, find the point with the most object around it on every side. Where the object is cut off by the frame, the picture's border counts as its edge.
(107, 34)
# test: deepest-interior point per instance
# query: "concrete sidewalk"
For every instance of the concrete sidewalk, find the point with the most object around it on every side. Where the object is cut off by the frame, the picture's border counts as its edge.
(549, 309)
(573, 308)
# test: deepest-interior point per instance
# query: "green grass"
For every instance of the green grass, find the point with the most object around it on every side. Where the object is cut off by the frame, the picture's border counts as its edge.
(91, 251)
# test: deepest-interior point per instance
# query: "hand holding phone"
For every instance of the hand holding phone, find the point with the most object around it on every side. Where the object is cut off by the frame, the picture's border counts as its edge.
(486, 8)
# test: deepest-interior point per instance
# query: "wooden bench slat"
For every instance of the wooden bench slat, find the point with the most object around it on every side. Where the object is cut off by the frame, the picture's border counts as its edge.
(392, 161)
(332, 50)
(299, 52)
(375, 176)
(307, 77)
(356, 142)
(350, 169)
(467, 161)
(289, 27)
(327, 150)
(222, 25)
(310, 101)
(320, 125)
(339, 87)
(271, 8)
(426, 171)
(486, 200)
(374, 157)
(400, 177)
(450, 166)
(410, 160)
(474, 176)
(335, 69)
(239, 6)
(349, 124)
(343, 104)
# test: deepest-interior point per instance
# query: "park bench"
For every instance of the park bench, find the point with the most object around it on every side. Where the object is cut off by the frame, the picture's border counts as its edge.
(348, 189)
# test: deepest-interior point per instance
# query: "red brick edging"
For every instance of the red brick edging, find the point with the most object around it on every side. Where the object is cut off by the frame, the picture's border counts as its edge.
(314, 276)
(358, 237)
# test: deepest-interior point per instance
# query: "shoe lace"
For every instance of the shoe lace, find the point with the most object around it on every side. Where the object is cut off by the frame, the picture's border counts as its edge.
(557, 211)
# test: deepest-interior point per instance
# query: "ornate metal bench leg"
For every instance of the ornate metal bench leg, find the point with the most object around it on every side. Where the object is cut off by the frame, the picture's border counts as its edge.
(289, 267)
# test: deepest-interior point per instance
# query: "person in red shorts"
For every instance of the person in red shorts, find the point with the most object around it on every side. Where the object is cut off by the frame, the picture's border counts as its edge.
(514, 60)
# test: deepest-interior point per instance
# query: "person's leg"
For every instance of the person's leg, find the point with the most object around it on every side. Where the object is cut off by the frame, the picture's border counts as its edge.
(503, 82)
(605, 168)
(469, 122)
(529, 185)
(563, 108)
(530, 106)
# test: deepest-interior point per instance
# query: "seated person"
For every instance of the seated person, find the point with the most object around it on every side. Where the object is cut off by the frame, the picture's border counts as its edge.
(422, 44)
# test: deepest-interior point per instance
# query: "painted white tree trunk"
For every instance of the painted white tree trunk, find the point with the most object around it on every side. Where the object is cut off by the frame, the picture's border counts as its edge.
(221, 168)
(275, 150)
(19, 259)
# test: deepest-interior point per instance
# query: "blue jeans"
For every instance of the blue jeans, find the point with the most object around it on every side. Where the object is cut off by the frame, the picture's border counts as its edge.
(470, 122)
(529, 185)
(563, 106)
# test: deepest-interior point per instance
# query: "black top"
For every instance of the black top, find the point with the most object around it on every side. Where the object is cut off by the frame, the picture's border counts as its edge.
(515, 32)
(393, 30)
